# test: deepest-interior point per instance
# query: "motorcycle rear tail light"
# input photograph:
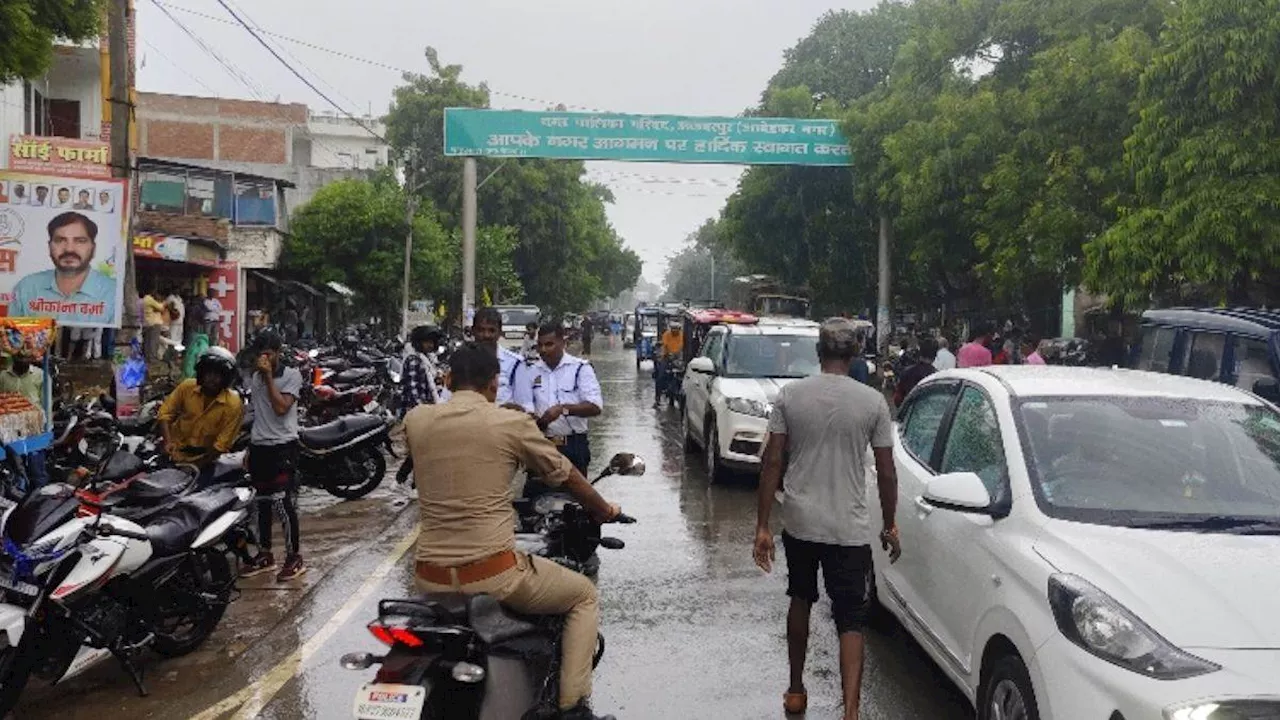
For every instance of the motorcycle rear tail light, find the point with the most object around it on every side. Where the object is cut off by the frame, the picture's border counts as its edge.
(389, 635)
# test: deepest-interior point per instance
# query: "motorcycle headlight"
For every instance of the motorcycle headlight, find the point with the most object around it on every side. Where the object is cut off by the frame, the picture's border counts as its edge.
(754, 408)
(1103, 627)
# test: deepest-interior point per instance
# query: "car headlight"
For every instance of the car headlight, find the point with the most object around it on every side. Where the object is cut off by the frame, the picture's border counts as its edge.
(754, 408)
(1226, 710)
(1103, 627)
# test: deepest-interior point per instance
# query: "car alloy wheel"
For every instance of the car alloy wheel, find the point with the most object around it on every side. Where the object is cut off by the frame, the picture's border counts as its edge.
(1006, 692)
(1007, 702)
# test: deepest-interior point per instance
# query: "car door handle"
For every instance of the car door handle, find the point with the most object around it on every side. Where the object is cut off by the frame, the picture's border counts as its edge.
(923, 505)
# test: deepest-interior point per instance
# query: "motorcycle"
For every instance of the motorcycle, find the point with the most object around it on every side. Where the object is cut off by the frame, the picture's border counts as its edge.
(344, 457)
(466, 657)
(133, 561)
(670, 384)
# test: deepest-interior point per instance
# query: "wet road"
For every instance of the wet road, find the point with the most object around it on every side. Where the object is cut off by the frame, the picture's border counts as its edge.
(694, 629)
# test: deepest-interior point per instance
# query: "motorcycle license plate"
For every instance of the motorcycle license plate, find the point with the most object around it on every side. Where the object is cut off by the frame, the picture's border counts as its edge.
(370, 406)
(390, 702)
(18, 586)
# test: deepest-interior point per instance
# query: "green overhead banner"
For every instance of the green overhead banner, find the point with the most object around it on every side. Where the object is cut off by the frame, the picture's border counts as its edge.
(652, 138)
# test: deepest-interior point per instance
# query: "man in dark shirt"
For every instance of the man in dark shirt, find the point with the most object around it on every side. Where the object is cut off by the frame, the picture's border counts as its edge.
(922, 369)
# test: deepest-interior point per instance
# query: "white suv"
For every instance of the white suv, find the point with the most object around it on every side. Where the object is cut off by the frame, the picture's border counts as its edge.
(730, 387)
(1087, 544)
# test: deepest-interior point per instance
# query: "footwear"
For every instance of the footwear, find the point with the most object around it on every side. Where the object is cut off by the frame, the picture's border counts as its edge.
(293, 568)
(582, 711)
(795, 703)
(261, 564)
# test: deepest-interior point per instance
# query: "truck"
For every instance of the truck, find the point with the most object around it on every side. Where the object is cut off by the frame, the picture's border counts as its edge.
(765, 296)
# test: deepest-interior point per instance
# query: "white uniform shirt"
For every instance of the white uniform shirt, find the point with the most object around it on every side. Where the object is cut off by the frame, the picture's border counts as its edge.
(573, 381)
(514, 384)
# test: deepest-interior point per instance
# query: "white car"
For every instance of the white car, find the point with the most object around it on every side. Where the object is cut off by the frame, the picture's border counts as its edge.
(730, 387)
(1091, 544)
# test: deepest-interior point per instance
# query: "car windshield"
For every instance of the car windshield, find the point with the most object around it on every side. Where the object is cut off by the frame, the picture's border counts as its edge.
(771, 356)
(649, 323)
(1153, 461)
(519, 317)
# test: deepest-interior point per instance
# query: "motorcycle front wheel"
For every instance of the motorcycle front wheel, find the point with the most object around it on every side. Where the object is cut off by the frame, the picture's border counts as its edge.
(358, 474)
(187, 616)
(15, 670)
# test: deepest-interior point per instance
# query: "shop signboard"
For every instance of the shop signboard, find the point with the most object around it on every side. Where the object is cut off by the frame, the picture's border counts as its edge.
(224, 281)
(158, 246)
(62, 248)
(60, 156)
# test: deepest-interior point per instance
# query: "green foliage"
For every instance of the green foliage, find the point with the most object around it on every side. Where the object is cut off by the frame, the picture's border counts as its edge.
(28, 29)
(566, 254)
(353, 231)
(1205, 154)
(689, 271)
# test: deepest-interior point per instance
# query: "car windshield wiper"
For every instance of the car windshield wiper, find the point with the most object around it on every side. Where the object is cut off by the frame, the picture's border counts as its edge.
(1233, 524)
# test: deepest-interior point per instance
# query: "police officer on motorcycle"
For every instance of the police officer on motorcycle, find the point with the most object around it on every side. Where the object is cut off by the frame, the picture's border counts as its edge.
(467, 541)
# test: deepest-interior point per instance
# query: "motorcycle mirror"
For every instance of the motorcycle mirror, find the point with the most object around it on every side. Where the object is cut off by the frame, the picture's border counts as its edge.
(358, 661)
(626, 464)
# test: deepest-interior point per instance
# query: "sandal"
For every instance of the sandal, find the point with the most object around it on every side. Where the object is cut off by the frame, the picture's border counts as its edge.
(795, 703)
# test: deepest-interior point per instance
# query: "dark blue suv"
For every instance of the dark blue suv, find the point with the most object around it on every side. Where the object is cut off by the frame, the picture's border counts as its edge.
(1239, 346)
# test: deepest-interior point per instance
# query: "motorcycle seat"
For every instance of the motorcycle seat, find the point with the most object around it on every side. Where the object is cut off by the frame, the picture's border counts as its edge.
(173, 531)
(121, 465)
(158, 486)
(339, 432)
(352, 377)
(491, 621)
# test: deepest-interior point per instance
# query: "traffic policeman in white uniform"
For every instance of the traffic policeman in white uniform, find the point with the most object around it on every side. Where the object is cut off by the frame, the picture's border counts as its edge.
(515, 389)
(565, 393)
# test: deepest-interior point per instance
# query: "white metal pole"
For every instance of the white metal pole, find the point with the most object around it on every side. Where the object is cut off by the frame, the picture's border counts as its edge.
(468, 236)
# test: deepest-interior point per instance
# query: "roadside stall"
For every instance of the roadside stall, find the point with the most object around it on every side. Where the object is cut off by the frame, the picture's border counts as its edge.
(25, 426)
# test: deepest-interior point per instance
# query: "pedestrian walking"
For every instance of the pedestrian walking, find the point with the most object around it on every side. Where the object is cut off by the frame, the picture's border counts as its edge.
(922, 368)
(588, 332)
(975, 353)
(825, 423)
(945, 359)
(177, 312)
(273, 457)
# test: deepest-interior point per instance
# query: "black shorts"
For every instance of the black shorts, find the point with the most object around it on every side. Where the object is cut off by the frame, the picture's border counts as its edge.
(846, 571)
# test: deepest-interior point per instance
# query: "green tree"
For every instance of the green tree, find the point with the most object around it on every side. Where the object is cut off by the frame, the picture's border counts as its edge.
(28, 29)
(353, 231)
(1204, 219)
(496, 274)
(690, 271)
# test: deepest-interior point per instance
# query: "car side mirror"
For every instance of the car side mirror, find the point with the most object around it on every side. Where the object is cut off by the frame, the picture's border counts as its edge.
(959, 491)
(703, 365)
(627, 464)
(1268, 389)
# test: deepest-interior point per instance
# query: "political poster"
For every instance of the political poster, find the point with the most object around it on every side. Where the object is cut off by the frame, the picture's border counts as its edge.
(62, 249)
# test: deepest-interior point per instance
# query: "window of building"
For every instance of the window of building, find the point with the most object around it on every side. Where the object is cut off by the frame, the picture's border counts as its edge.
(64, 118)
(255, 202)
(164, 191)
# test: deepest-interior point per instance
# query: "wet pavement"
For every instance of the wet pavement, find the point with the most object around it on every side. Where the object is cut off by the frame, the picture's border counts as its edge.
(693, 628)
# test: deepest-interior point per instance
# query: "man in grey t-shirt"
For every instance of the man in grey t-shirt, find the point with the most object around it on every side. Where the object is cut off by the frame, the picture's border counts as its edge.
(826, 423)
(273, 456)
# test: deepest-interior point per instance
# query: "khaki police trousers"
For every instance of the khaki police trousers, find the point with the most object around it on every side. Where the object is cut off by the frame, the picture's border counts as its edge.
(537, 586)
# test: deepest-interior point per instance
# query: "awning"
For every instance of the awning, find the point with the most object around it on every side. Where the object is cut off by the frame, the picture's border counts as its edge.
(264, 276)
(304, 287)
(341, 289)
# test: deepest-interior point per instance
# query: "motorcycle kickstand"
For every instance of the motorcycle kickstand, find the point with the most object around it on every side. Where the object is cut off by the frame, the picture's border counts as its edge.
(125, 657)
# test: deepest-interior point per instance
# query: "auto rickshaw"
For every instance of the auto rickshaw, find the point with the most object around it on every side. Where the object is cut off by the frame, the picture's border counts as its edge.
(645, 332)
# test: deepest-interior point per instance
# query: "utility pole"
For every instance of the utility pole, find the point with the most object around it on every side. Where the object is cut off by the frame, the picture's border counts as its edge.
(713, 275)
(121, 160)
(884, 325)
(411, 203)
(468, 236)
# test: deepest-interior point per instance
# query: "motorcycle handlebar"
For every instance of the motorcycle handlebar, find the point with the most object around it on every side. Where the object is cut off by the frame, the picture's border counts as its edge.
(121, 532)
(623, 519)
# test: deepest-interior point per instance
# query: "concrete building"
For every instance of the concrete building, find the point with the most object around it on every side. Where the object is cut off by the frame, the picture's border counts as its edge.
(278, 140)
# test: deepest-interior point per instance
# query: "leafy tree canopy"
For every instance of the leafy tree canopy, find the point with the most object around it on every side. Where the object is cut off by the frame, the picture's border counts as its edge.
(28, 29)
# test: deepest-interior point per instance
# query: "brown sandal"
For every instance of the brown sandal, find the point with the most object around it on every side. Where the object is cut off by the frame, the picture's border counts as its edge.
(795, 703)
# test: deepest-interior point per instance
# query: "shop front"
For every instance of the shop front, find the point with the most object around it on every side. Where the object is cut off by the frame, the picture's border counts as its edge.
(190, 268)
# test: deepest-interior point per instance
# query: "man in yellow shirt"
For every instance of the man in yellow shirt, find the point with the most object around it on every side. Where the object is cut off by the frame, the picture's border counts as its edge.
(153, 323)
(201, 417)
(672, 347)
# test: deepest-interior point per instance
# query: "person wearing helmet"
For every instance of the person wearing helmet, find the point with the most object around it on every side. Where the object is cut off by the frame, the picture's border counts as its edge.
(201, 417)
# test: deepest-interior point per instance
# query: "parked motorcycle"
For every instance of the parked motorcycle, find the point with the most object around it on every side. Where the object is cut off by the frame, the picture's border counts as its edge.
(467, 657)
(130, 562)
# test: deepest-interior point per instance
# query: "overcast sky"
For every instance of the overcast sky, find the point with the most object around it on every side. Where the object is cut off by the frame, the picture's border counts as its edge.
(692, 57)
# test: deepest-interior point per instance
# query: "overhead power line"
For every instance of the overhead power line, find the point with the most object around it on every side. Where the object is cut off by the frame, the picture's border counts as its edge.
(248, 28)
(366, 61)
